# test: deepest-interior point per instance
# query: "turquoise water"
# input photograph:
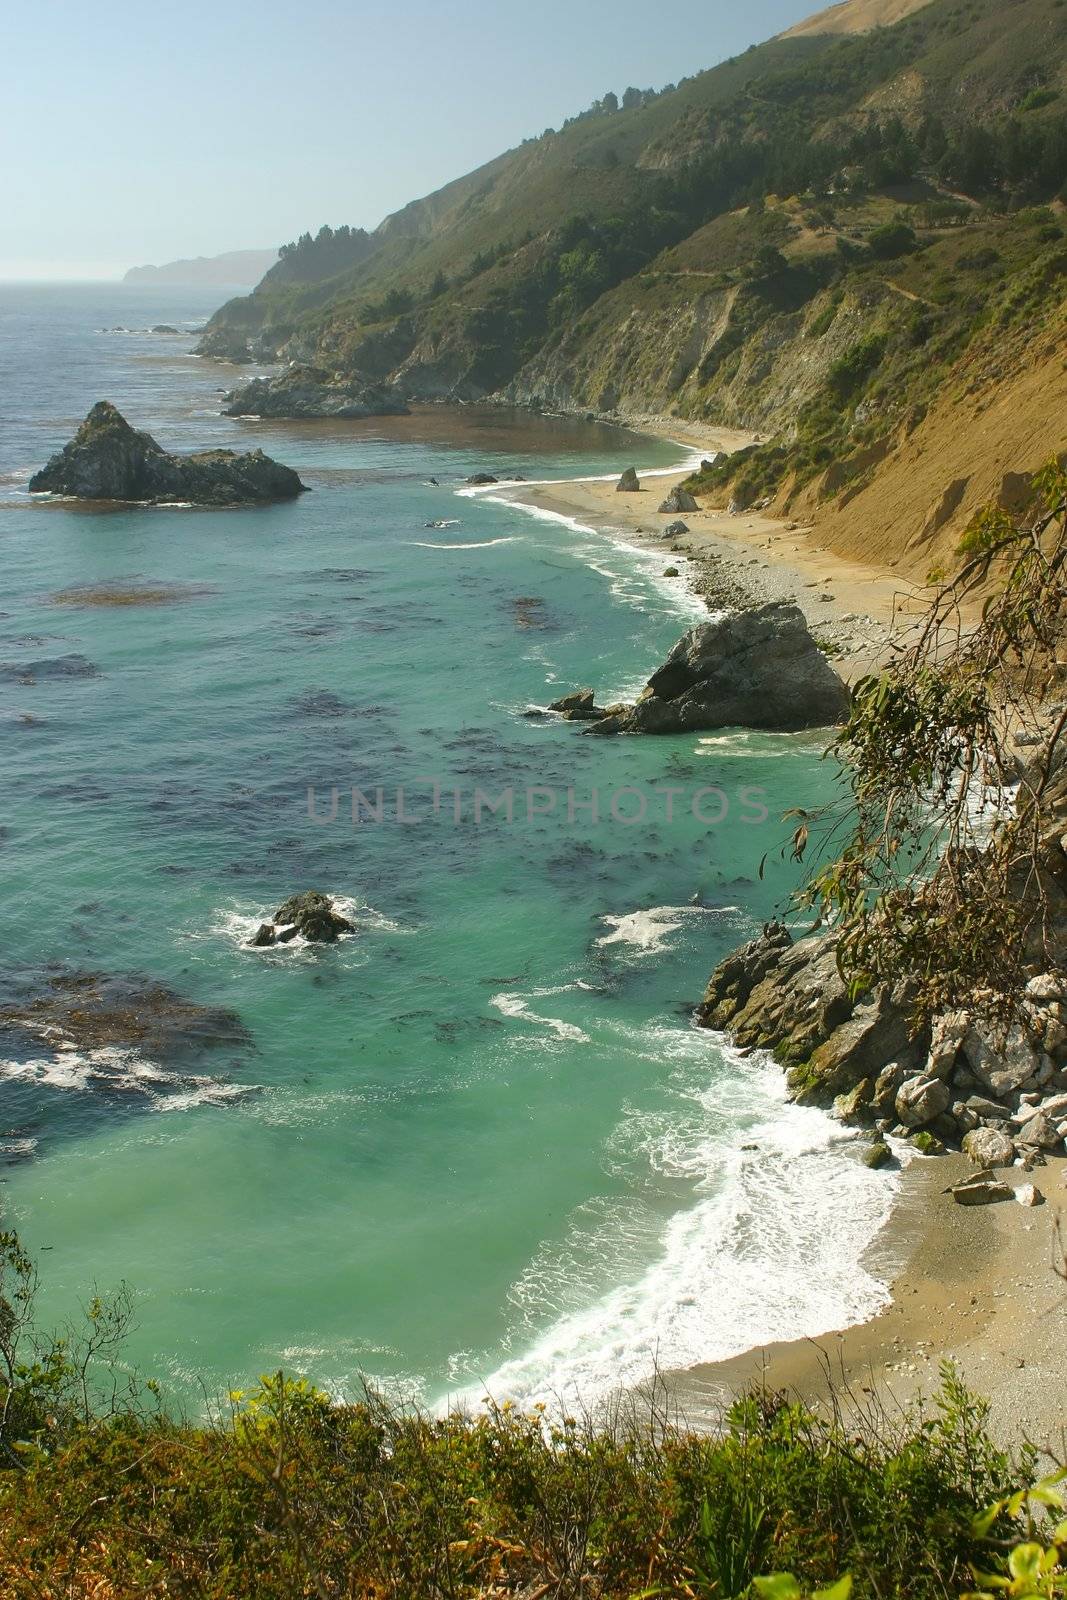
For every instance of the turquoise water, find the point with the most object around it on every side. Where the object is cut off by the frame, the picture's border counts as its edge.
(479, 1143)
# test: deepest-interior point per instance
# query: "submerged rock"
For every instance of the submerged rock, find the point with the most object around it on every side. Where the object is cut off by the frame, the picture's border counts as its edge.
(93, 1010)
(109, 460)
(305, 391)
(748, 669)
(311, 914)
(629, 482)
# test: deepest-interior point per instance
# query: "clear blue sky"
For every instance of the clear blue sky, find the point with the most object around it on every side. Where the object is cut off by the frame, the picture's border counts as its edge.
(133, 132)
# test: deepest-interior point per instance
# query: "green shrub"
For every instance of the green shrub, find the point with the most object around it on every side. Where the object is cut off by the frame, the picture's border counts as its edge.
(891, 240)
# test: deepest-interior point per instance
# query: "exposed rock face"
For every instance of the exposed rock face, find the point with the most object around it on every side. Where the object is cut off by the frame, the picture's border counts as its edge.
(749, 669)
(679, 499)
(865, 1060)
(109, 460)
(303, 391)
(225, 344)
(311, 914)
(628, 483)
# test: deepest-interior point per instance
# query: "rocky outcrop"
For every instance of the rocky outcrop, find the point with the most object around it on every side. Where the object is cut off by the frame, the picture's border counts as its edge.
(747, 669)
(629, 483)
(226, 344)
(305, 391)
(310, 915)
(109, 460)
(998, 1091)
(577, 707)
(679, 499)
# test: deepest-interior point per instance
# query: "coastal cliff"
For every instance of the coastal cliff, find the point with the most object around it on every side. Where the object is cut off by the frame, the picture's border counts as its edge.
(849, 241)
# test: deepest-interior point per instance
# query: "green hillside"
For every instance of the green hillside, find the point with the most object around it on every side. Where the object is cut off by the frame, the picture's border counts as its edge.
(807, 240)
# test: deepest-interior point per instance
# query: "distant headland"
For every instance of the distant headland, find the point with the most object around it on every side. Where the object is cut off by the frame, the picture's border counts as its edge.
(234, 268)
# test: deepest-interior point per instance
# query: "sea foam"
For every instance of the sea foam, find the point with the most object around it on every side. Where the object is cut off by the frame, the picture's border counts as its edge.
(768, 1247)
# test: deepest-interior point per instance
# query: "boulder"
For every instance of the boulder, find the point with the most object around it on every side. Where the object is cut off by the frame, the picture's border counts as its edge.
(1001, 1063)
(855, 1104)
(264, 936)
(674, 530)
(671, 572)
(878, 1154)
(679, 499)
(1027, 1195)
(312, 914)
(749, 669)
(947, 1034)
(109, 460)
(988, 1147)
(921, 1099)
(628, 483)
(479, 480)
(888, 1081)
(987, 1110)
(965, 1119)
(1040, 1132)
(306, 391)
(984, 1189)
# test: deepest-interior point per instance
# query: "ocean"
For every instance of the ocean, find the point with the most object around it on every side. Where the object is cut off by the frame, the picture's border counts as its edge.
(477, 1147)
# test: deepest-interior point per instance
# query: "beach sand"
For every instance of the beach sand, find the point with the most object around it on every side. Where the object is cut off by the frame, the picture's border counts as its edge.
(745, 559)
(974, 1285)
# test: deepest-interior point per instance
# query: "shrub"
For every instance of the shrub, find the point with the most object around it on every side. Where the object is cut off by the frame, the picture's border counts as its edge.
(891, 240)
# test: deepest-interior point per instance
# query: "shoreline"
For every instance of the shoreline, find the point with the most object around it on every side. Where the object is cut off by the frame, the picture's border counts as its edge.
(740, 560)
(976, 1286)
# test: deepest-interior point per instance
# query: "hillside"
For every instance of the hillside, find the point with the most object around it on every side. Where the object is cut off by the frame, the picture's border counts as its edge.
(855, 16)
(232, 268)
(850, 241)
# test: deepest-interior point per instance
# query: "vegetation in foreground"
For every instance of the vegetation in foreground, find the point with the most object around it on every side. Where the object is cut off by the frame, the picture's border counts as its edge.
(282, 1493)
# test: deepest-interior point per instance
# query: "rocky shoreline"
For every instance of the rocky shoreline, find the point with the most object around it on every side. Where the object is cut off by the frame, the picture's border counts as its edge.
(995, 1088)
(305, 392)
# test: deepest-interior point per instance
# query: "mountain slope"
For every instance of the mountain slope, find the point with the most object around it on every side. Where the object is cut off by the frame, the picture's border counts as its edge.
(822, 239)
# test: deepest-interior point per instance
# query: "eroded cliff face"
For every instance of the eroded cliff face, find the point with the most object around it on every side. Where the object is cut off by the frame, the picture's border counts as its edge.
(726, 355)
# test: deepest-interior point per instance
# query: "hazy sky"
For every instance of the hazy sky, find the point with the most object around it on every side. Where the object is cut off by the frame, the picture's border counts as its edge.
(132, 132)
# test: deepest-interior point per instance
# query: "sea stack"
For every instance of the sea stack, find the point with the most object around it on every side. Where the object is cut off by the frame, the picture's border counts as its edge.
(109, 460)
(745, 669)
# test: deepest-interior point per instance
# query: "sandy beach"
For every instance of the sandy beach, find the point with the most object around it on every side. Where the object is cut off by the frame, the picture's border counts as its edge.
(974, 1285)
(748, 558)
